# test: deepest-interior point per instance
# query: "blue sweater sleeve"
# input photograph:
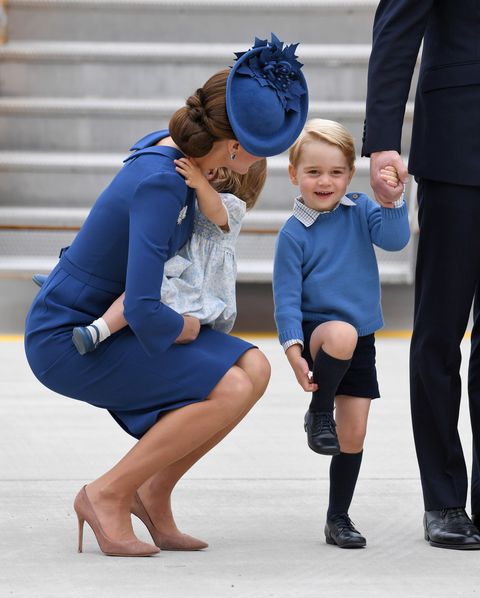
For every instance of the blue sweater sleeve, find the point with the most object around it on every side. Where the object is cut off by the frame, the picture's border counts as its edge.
(389, 228)
(153, 217)
(287, 287)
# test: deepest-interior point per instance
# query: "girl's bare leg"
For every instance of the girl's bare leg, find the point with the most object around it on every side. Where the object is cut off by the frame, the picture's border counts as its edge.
(156, 492)
(114, 315)
(165, 444)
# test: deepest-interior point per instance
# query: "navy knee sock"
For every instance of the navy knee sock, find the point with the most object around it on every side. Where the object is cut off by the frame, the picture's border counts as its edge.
(344, 470)
(328, 372)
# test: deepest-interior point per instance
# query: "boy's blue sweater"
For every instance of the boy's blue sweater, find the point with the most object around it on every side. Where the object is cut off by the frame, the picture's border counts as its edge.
(328, 271)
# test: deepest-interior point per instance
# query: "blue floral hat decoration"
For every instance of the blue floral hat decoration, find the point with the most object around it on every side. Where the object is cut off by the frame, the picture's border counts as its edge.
(267, 97)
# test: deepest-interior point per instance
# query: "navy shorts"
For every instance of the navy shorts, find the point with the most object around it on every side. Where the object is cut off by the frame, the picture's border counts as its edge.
(360, 379)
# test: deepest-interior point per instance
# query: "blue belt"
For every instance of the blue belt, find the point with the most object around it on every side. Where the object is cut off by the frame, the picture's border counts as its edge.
(110, 286)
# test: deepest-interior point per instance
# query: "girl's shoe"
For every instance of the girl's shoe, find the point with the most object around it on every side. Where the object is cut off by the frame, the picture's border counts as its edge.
(84, 509)
(182, 542)
(39, 279)
(82, 339)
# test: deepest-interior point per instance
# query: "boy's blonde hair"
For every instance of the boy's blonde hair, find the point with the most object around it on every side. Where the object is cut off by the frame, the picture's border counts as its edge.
(245, 186)
(319, 129)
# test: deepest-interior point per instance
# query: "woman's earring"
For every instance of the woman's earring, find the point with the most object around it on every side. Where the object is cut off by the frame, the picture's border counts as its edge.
(233, 156)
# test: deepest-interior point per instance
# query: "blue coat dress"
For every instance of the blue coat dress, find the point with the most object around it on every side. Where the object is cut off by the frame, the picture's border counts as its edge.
(141, 219)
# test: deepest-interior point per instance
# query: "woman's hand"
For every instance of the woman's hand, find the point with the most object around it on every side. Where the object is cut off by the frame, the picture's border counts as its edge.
(300, 368)
(191, 328)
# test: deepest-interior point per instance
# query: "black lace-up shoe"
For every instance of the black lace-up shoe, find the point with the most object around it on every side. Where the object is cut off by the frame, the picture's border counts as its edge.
(451, 528)
(321, 434)
(340, 530)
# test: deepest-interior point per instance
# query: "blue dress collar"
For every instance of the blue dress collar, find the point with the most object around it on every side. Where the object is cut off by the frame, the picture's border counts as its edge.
(147, 145)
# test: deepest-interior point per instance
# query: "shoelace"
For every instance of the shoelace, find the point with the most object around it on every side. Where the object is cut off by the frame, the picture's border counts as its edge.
(327, 423)
(453, 514)
(344, 523)
(456, 520)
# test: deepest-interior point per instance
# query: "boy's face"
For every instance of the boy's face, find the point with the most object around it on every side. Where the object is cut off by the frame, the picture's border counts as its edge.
(322, 174)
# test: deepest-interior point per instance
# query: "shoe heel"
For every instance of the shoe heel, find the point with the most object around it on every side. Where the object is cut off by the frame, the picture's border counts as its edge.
(329, 539)
(81, 522)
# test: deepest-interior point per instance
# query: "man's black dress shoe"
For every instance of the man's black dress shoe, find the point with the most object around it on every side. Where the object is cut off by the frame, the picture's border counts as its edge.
(321, 434)
(451, 528)
(476, 520)
(340, 530)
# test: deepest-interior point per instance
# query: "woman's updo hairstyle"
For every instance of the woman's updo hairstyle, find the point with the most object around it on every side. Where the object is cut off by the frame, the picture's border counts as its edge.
(203, 120)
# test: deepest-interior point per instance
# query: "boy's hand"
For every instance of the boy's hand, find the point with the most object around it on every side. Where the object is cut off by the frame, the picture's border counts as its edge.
(192, 174)
(389, 174)
(302, 373)
(300, 368)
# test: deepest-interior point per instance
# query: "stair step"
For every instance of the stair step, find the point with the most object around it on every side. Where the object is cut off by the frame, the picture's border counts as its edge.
(76, 179)
(88, 161)
(83, 124)
(84, 69)
(170, 21)
(23, 252)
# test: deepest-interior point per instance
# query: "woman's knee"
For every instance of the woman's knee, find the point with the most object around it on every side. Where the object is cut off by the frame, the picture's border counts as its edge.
(258, 369)
(233, 390)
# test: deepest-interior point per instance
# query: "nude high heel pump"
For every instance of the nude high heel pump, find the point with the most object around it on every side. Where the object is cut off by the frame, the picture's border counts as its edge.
(84, 509)
(182, 542)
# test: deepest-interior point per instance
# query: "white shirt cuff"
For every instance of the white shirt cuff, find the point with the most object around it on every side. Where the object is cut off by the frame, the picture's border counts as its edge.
(291, 342)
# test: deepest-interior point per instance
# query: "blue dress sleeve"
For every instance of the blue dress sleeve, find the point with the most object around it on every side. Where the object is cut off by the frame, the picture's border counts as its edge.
(155, 209)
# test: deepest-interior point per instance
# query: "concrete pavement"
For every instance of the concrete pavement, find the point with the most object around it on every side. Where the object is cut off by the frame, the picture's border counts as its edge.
(259, 499)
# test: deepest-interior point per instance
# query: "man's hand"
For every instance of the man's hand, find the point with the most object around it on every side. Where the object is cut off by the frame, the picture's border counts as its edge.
(191, 328)
(300, 368)
(385, 193)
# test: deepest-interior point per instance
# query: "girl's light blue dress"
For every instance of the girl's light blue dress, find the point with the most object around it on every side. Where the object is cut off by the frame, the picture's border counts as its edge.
(200, 279)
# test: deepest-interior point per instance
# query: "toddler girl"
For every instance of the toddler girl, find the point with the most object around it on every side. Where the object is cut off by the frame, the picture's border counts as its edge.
(199, 280)
(327, 303)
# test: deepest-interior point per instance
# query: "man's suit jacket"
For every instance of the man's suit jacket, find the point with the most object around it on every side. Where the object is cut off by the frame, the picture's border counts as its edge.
(446, 127)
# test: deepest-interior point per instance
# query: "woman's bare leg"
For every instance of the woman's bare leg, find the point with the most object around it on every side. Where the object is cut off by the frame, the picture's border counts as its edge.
(166, 443)
(156, 492)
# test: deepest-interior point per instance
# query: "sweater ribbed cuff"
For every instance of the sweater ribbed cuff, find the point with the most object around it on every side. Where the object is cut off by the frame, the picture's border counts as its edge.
(285, 336)
(396, 213)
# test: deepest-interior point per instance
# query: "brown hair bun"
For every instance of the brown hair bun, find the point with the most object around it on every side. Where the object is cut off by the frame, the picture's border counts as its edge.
(203, 120)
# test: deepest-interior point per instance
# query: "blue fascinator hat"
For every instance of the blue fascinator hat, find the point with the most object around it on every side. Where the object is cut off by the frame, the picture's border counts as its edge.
(267, 97)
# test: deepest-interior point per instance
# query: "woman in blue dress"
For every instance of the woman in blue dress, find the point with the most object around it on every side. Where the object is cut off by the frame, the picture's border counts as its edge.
(177, 387)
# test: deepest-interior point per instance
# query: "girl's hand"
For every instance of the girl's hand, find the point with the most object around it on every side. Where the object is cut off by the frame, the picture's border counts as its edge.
(191, 329)
(192, 174)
